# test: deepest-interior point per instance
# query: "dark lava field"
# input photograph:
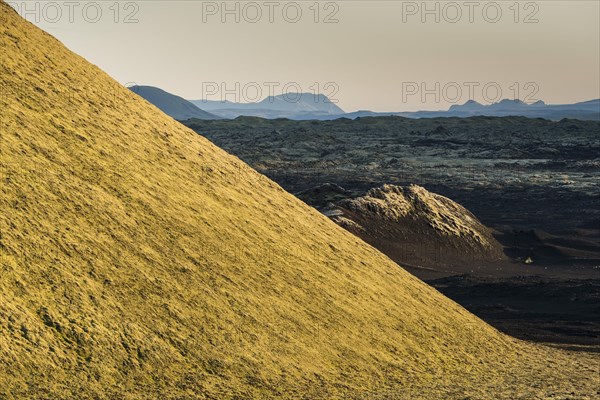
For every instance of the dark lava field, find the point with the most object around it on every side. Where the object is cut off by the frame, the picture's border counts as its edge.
(535, 182)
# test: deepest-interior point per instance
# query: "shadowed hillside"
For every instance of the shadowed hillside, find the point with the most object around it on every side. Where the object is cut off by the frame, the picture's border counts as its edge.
(140, 261)
(175, 106)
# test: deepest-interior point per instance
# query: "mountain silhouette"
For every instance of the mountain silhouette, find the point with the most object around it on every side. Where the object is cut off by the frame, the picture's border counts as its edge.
(174, 106)
(289, 105)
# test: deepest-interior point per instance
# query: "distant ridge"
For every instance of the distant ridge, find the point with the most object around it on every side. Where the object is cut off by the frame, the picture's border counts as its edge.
(290, 105)
(174, 106)
(587, 110)
(470, 105)
(307, 106)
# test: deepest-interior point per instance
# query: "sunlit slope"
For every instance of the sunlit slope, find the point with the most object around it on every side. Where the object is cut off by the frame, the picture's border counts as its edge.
(140, 261)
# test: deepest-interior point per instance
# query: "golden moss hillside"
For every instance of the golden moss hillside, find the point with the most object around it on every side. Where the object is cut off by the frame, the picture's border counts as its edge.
(139, 261)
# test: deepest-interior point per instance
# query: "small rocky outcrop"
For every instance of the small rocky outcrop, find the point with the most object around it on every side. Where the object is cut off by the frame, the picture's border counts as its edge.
(416, 227)
(396, 203)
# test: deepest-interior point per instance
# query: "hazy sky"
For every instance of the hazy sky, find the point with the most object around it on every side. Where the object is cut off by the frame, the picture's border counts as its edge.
(377, 55)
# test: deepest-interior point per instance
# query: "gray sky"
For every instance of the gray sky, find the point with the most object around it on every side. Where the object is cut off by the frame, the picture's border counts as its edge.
(377, 55)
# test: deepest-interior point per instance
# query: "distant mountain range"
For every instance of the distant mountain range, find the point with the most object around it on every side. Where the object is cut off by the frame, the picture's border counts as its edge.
(539, 109)
(176, 107)
(308, 106)
(587, 110)
(291, 106)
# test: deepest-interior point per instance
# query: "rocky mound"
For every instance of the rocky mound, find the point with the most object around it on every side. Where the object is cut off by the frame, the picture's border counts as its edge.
(418, 228)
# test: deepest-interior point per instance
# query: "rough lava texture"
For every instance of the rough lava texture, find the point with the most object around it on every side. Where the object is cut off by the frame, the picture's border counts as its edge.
(417, 228)
(139, 261)
(445, 217)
